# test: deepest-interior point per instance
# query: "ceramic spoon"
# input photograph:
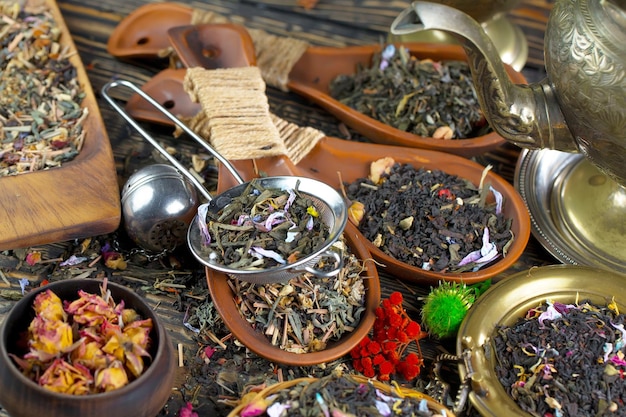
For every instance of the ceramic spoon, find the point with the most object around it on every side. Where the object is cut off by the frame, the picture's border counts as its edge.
(333, 158)
(310, 77)
(223, 46)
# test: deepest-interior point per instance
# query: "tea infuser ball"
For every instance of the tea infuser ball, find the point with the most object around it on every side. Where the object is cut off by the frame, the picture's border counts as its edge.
(158, 204)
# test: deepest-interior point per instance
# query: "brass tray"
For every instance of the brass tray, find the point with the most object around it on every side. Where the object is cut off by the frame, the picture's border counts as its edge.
(78, 199)
(577, 213)
(507, 301)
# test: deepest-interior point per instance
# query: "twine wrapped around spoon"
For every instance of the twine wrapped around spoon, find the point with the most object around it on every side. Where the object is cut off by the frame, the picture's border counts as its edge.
(275, 55)
(235, 116)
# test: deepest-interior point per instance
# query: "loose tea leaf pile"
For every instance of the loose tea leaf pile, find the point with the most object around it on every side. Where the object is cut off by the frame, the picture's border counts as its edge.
(565, 360)
(430, 219)
(41, 118)
(84, 346)
(341, 395)
(263, 228)
(302, 315)
(424, 97)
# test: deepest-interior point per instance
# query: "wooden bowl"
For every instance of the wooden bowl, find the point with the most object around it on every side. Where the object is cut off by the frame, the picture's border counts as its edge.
(223, 299)
(143, 397)
(80, 198)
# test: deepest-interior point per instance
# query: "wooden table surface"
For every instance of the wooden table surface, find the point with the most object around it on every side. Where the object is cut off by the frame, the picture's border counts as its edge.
(330, 22)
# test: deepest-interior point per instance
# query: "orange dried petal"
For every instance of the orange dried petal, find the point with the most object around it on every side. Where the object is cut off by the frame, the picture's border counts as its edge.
(356, 211)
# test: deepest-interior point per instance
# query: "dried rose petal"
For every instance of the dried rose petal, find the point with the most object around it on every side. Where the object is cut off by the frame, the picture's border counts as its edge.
(91, 309)
(49, 338)
(111, 378)
(90, 355)
(129, 345)
(49, 306)
(65, 378)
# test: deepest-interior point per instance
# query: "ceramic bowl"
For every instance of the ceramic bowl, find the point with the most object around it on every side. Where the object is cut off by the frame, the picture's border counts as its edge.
(223, 299)
(143, 397)
(509, 300)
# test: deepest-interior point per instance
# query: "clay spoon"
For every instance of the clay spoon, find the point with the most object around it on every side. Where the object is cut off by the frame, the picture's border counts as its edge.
(310, 77)
(334, 160)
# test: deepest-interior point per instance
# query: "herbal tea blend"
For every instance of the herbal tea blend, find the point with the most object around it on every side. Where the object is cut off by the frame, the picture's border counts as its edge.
(565, 360)
(341, 395)
(85, 346)
(263, 228)
(428, 218)
(301, 316)
(423, 97)
(41, 118)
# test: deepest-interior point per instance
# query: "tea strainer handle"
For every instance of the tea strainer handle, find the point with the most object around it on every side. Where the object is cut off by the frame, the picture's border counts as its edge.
(183, 170)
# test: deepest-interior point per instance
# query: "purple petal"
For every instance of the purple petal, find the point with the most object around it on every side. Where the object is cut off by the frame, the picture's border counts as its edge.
(259, 252)
(309, 223)
(498, 197)
(204, 230)
(388, 52)
(273, 219)
(290, 200)
(73, 260)
(551, 313)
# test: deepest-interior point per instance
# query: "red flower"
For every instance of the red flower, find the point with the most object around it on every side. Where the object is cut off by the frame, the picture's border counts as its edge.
(373, 347)
(396, 298)
(413, 329)
(389, 346)
(386, 367)
(393, 330)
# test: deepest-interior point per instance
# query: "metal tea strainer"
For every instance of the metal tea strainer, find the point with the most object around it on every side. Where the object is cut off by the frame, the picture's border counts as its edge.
(328, 202)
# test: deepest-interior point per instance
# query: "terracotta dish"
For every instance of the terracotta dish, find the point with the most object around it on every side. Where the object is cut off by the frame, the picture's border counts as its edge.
(78, 199)
(21, 397)
(333, 156)
(224, 301)
(309, 78)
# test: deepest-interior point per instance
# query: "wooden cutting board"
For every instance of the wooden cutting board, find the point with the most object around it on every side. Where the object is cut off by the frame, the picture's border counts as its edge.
(80, 198)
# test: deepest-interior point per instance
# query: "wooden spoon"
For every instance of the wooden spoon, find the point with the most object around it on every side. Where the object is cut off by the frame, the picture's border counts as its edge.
(310, 77)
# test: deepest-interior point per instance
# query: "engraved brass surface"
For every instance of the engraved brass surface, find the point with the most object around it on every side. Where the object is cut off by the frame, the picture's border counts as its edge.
(505, 303)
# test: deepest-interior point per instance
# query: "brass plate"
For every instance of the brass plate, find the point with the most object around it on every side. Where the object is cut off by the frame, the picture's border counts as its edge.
(577, 213)
(505, 303)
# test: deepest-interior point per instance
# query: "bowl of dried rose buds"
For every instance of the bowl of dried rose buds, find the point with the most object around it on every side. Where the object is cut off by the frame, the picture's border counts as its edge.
(84, 347)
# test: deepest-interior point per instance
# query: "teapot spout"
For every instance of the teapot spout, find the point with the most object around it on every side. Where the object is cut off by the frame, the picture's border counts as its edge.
(526, 115)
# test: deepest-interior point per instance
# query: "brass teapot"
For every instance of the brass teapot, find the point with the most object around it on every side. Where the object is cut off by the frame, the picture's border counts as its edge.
(579, 107)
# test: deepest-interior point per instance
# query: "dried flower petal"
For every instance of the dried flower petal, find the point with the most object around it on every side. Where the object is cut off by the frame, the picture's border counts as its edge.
(380, 167)
(91, 309)
(65, 378)
(49, 338)
(112, 377)
(49, 306)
